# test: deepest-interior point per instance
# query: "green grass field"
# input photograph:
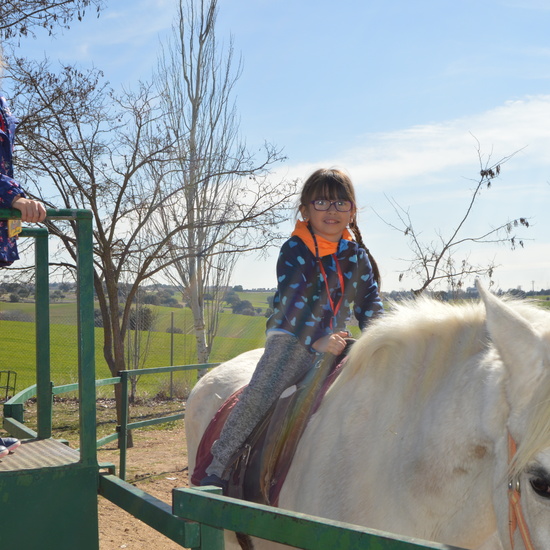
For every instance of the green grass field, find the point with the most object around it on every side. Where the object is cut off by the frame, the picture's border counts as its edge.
(230, 325)
(257, 299)
(236, 334)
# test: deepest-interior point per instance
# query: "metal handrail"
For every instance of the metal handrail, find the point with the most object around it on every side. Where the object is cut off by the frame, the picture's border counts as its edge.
(85, 325)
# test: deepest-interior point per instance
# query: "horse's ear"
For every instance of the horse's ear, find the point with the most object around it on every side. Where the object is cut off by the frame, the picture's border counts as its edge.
(517, 343)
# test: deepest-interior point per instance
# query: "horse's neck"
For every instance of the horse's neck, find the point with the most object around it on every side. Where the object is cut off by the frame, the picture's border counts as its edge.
(420, 414)
(417, 425)
(411, 369)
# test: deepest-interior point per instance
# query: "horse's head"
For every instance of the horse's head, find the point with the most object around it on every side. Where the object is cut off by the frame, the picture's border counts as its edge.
(521, 337)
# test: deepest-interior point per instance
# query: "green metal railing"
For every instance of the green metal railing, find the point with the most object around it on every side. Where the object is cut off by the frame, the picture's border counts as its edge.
(13, 408)
(216, 513)
(73, 477)
(85, 330)
(126, 425)
(199, 515)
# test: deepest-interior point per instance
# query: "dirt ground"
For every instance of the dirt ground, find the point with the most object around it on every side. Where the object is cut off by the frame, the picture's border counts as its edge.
(156, 464)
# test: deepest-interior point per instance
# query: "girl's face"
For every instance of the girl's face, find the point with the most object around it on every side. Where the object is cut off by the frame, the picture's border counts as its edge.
(329, 224)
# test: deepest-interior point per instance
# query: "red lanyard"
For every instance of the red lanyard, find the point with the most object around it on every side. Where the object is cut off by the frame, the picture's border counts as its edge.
(3, 125)
(334, 308)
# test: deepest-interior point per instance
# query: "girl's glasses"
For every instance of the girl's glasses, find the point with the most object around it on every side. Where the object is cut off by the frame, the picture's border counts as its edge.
(323, 205)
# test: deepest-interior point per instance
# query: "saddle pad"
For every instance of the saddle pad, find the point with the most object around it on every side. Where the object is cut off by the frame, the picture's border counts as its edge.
(256, 475)
(282, 409)
(204, 456)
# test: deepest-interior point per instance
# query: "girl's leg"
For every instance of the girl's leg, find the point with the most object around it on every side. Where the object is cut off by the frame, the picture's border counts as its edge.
(284, 362)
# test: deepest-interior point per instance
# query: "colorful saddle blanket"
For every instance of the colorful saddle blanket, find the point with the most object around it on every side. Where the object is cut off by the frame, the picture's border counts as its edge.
(258, 470)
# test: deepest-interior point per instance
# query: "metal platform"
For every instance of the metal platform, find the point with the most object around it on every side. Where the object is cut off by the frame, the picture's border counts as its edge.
(45, 485)
(39, 453)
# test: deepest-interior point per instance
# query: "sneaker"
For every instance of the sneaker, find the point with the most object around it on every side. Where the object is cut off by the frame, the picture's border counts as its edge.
(215, 480)
(3, 451)
(10, 443)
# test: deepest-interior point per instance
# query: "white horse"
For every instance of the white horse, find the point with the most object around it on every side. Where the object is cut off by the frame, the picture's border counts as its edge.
(414, 436)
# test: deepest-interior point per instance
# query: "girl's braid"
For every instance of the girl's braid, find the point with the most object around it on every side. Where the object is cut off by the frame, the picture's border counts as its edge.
(359, 239)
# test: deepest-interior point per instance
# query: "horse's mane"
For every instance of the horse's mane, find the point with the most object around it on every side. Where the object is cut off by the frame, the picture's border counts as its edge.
(419, 331)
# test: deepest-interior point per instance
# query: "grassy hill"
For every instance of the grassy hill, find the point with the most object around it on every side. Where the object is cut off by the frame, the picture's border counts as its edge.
(236, 334)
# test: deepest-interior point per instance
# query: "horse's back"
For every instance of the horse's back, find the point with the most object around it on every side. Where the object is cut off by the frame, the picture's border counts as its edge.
(210, 392)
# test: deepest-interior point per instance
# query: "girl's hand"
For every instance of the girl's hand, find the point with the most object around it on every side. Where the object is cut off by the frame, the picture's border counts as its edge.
(333, 343)
(31, 211)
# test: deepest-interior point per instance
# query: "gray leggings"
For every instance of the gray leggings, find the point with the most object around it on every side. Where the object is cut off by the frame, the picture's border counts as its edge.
(284, 362)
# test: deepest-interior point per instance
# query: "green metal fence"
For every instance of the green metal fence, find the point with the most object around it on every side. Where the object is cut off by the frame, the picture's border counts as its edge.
(283, 526)
(199, 516)
(42, 466)
(85, 327)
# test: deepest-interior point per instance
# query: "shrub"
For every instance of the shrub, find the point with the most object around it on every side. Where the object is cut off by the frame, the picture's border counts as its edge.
(141, 319)
(152, 299)
(242, 306)
(170, 302)
(16, 315)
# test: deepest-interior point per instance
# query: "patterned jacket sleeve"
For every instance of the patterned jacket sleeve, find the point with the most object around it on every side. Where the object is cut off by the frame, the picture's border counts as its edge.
(296, 284)
(368, 303)
(9, 189)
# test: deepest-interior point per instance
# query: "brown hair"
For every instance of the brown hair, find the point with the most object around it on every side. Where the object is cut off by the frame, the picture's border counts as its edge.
(332, 184)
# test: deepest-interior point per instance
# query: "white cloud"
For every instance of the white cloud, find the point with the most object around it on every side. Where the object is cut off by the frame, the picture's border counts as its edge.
(431, 169)
(390, 159)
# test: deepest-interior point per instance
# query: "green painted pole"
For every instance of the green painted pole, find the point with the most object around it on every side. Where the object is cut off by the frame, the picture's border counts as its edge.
(53, 213)
(212, 538)
(42, 324)
(291, 528)
(123, 428)
(86, 351)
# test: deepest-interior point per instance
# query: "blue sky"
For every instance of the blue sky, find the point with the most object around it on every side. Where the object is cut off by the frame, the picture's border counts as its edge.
(398, 93)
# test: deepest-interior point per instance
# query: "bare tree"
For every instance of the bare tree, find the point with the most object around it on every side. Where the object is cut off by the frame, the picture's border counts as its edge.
(21, 17)
(438, 260)
(226, 198)
(83, 147)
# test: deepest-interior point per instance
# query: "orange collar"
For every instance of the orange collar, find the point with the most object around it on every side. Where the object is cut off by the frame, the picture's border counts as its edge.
(325, 247)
